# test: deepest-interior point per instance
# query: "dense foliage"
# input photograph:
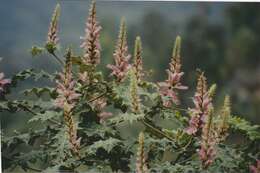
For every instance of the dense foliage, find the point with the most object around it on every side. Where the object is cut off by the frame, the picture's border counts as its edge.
(79, 120)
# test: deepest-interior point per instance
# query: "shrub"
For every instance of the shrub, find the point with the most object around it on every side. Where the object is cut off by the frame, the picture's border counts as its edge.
(81, 118)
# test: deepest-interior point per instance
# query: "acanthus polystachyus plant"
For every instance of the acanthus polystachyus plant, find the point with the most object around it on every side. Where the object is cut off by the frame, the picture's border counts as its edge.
(84, 117)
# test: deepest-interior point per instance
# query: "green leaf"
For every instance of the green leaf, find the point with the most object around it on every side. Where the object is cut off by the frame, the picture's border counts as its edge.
(60, 147)
(47, 115)
(240, 124)
(122, 91)
(40, 91)
(31, 73)
(4, 105)
(24, 105)
(35, 50)
(107, 145)
(100, 130)
(126, 117)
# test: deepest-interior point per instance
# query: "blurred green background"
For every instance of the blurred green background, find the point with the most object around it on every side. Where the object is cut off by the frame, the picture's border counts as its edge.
(221, 39)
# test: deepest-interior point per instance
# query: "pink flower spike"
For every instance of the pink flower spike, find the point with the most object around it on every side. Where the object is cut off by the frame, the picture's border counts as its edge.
(203, 103)
(168, 88)
(121, 56)
(91, 43)
(53, 29)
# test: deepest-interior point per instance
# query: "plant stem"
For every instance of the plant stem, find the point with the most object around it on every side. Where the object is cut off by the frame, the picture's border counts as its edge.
(157, 130)
(58, 59)
(99, 96)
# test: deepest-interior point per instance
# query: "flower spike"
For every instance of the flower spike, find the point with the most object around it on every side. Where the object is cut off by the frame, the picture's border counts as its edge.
(203, 102)
(52, 38)
(134, 92)
(66, 100)
(207, 151)
(91, 43)
(168, 89)
(212, 90)
(141, 166)
(225, 114)
(175, 65)
(138, 62)
(121, 55)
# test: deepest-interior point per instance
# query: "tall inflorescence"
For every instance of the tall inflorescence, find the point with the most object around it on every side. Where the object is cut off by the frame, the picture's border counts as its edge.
(141, 166)
(91, 43)
(208, 142)
(52, 38)
(66, 100)
(121, 55)
(203, 103)
(138, 62)
(224, 116)
(135, 100)
(168, 89)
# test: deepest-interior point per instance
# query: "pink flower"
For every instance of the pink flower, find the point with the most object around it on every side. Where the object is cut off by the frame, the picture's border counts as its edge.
(99, 105)
(66, 92)
(168, 89)
(194, 125)
(84, 77)
(66, 100)
(3, 81)
(91, 44)
(207, 155)
(256, 168)
(208, 141)
(202, 102)
(67, 95)
(104, 115)
(121, 56)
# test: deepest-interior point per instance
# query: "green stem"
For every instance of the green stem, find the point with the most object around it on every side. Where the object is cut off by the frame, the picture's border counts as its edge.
(157, 131)
(58, 59)
(99, 96)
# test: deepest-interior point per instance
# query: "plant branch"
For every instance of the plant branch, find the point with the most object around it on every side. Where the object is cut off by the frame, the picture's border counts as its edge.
(157, 130)
(58, 59)
(99, 96)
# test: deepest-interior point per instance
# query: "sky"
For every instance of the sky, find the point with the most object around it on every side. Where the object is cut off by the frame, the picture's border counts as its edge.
(25, 23)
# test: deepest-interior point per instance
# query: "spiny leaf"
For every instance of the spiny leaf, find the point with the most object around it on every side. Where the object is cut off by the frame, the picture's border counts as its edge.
(25, 105)
(126, 117)
(31, 73)
(107, 145)
(40, 91)
(240, 124)
(95, 130)
(47, 115)
(60, 146)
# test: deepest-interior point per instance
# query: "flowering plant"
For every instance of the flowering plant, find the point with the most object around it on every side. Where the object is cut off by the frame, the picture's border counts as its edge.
(81, 118)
